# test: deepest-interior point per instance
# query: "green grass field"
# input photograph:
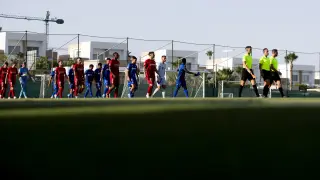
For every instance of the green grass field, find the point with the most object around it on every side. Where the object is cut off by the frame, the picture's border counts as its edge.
(159, 139)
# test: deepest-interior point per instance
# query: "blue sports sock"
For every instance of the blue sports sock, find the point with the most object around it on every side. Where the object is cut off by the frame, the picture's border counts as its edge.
(105, 90)
(86, 94)
(131, 94)
(176, 92)
(186, 92)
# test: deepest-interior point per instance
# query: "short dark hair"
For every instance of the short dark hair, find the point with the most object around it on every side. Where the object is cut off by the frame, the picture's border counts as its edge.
(79, 58)
(151, 52)
(184, 60)
(109, 59)
(6, 63)
(264, 49)
(274, 50)
(59, 61)
(163, 56)
(133, 57)
(115, 53)
(91, 65)
(247, 47)
(99, 64)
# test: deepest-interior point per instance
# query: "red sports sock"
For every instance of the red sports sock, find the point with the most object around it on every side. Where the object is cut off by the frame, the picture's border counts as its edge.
(150, 90)
(60, 92)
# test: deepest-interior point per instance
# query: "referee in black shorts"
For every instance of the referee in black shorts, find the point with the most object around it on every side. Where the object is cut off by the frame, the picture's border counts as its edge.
(275, 74)
(264, 66)
(247, 72)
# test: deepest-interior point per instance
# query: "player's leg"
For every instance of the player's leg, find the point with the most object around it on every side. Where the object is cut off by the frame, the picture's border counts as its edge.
(60, 90)
(76, 87)
(106, 87)
(0, 90)
(150, 87)
(244, 77)
(279, 84)
(4, 90)
(90, 89)
(163, 87)
(185, 89)
(158, 86)
(266, 78)
(87, 90)
(112, 80)
(176, 90)
(253, 83)
(23, 89)
(11, 91)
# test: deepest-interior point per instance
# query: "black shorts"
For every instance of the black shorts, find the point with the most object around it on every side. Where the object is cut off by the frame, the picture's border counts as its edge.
(275, 77)
(245, 75)
(265, 75)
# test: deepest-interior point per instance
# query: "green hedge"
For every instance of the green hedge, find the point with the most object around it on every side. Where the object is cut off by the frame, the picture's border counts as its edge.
(177, 139)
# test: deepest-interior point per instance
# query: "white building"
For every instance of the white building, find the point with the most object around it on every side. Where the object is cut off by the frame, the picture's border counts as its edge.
(301, 74)
(97, 50)
(191, 57)
(14, 43)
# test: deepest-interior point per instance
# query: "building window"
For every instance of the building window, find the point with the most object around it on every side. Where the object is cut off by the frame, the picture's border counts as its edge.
(305, 78)
(295, 78)
(14, 49)
(189, 66)
(33, 49)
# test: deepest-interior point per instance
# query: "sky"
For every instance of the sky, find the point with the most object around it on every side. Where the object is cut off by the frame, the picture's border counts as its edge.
(282, 24)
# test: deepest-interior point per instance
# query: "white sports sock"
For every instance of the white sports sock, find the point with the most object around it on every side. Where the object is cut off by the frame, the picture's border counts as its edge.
(155, 91)
(163, 94)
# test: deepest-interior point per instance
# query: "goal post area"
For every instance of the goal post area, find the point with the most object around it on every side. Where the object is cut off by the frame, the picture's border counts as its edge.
(230, 89)
(196, 85)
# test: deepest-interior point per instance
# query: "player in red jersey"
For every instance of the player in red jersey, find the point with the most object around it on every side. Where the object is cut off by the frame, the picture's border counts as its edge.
(3, 76)
(11, 79)
(150, 68)
(114, 65)
(60, 75)
(78, 70)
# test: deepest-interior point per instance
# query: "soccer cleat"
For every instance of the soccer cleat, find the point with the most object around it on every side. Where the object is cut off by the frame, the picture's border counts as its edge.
(55, 96)
(129, 96)
(14, 97)
(9, 97)
(76, 97)
(147, 96)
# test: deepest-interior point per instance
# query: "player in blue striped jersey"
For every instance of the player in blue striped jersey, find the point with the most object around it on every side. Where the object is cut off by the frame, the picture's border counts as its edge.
(89, 76)
(71, 81)
(53, 84)
(97, 79)
(131, 74)
(181, 81)
(106, 77)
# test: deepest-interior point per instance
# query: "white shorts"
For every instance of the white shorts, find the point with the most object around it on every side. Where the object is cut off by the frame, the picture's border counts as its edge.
(161, 81)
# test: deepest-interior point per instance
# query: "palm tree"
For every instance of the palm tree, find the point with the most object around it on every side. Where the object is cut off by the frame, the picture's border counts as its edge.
(225, 74)
(3, 58)
(238, 70)
(290, 58)
(209, 54)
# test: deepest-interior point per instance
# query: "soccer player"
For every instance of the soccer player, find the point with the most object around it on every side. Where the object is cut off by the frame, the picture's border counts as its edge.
(275, 74)
(161, 78)
(247, 72)
(53, 84)
(3, 76)
(78, 70)
(150, 70)
(11, 79)
(106, 76)
(264, 66)
(97, 79)
(89, 76)
(60, 75)
(131, 74)
(114, 75)
(71, 82)
(181, 81)
(23, 78)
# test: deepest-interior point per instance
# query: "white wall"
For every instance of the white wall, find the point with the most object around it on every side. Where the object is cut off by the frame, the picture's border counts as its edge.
(91, 49)
(306, 70)
(33, 40)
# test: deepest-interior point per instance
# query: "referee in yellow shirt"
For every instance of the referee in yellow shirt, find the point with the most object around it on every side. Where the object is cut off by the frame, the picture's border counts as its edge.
(275, 74)
(264, 66)
(247, 72)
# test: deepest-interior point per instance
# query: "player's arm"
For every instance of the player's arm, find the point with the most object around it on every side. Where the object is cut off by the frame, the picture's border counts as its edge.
(260, 64)
(145, 67)
(102, 73)
(74, 71)
(66, 76)
(189, 72)
(127, 72)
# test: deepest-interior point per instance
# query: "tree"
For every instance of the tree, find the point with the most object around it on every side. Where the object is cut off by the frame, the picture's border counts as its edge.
(3, 58)
(290, 58)
(209, 54)
(172, 76)
(238, 71)
(69, 62)
(42, 63)
(225, 74)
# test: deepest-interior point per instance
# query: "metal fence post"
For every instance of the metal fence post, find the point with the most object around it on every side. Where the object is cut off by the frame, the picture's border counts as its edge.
(78, 52)
(26, 51)
(172, 54)
(128, 50)
(288, 81)
(214, 64)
